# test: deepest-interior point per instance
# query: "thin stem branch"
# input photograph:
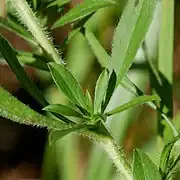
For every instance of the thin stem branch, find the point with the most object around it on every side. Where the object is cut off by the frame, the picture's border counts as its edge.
(175, 132)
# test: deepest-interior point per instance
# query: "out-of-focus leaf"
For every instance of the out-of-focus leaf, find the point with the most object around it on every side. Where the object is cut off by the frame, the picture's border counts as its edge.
(82, 10)
(59, 133)
(166, 40)
(99, 51)
(13, 109)
(58, 3)
(165, 156)
(100, 90)
(168, 133)
(33, 60)
(166, 56)
(174, 169)
(143, 167)
(137, 101)
(11, 23)
(10, 56)
(129, 34)
(34, 4)
(2, 8)
(62, 109)
(67, 83)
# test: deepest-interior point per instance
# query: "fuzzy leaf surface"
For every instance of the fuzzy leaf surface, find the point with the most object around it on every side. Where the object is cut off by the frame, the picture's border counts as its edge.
(13, 109)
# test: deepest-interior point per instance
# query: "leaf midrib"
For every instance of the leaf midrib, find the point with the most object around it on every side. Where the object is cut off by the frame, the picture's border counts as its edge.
(76, 99)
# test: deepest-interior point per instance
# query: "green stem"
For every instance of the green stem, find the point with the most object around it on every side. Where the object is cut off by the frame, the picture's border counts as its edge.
(117, 156)
(29, 19)
(175, 132)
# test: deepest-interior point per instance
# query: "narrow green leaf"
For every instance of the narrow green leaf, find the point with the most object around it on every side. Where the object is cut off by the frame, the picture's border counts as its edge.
(128, 36)
(100, 90)
(72, 34)
(10, 56)
(165, 156)
(62, 109)
(166, 40)
(13, 109)
(152, 67)
(174, 169)
(33, 60)
(34, 4)
(11, 23)
(58, 3)
(143, 167)
(59, 133)
(170, 124)
(67, 83)
(166, 56)
(89, 102)
(137, 101)
(110, 90)
(82, 10)
(99, 51)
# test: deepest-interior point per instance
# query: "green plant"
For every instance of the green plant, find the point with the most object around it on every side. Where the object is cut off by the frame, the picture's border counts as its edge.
(86, 115)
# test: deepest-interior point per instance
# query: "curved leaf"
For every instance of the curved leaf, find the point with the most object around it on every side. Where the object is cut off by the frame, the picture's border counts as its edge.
(165, 156)
(12, 24)
(82, 10)
(137, 101)
(59, 133)
(58, 3)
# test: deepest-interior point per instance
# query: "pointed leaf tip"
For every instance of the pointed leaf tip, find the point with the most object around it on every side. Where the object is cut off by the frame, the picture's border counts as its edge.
(143, 167)
(67, 83)
(82, 10)
(100, 90)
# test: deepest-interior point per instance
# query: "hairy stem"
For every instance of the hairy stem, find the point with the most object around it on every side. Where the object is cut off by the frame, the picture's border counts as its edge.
(117, 156)
(28, 18)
